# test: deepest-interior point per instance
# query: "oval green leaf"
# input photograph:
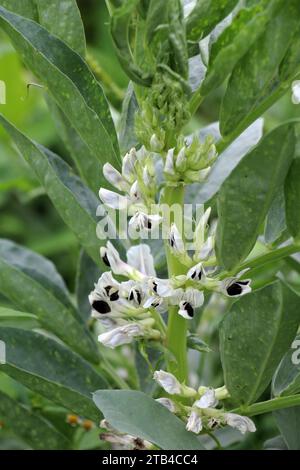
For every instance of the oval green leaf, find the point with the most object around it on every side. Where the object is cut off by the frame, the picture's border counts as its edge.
(254, 336)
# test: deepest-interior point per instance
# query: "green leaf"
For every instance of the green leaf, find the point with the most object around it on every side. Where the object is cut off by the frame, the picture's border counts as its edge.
(69, 80)
(228, 160)
(87, 274)
(26, 8)
(137, 414)
(69, 28)
(288, 422)
(246, 196)
(32, 283)
(32, 428)
(127, 137)
(254, 335)
(75, 203)
(205, 15)
(52, 370)
(292, 199)
(86, 162)
(63, 19)
(286, 380)
(276, 443)
(256, 76)
(275, 221)
(9, 317)
(236, 40)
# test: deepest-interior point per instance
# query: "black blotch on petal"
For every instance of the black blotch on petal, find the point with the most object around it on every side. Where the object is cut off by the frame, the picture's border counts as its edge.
(114, 296)
(105, 260)
(234, 289)
(101, 306)
(189, 309)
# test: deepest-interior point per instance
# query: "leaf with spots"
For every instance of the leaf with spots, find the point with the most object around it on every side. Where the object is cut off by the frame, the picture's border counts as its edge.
(35, 430)
(47, 367)
(247, 194)
(254, 335)
(32, 283)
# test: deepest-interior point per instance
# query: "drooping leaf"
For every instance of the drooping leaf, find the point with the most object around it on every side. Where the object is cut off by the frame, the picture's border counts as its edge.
(137, 414)
(292, 199)
(52, 370)
(205, 15)
(29, 426)
(62, 18)
(236, 40)
(286, 380)
(32, 283)
(87, 275)
(229, 159)
(247, 194)
(256, 76)
(69, 80)
(254, 335)
(75, 203)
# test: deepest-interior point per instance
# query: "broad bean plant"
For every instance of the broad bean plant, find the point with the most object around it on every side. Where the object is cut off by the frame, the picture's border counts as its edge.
(182, 333)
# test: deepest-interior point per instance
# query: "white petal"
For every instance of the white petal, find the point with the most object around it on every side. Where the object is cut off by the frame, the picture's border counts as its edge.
(115, 178)
(113, 200)
(135, 192)
(167, 403)
(208, 399)
(168, 382)
(183, 313)
(194, 423)
(236, 288)
(206, 249)
(128, 170)
(169, 165)
(140, 257)
(201, 229)
(175, 240)
(197, 273)
(242, 423)
(194, 296)
(296, 92)
(121, 335)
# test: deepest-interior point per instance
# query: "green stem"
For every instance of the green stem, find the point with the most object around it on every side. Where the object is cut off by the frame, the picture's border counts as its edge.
(269, 406)
(177, 326)
(195, 101)
(274, 255)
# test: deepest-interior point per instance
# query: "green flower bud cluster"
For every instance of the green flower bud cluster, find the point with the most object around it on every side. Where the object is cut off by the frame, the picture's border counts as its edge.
(163, 112)
(190, 163)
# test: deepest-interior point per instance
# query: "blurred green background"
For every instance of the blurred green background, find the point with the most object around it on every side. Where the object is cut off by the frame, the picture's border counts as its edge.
(26, 214)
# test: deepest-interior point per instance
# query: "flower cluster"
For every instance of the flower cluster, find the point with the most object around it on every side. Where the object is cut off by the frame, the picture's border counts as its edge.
(128, 309)
(202, 414)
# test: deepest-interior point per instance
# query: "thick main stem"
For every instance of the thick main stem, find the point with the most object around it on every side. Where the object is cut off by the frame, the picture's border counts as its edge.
(177, 326)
